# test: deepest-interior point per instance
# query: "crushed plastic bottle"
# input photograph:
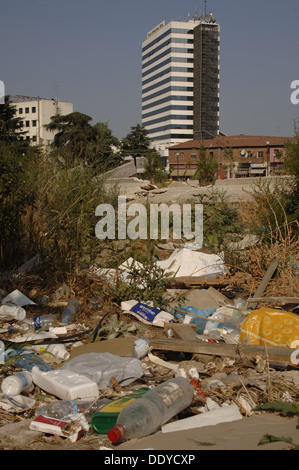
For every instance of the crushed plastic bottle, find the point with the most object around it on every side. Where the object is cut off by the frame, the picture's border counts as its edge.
(12, 312)
(70, 311)
(145, 415)
(30, 325)
(61, 409)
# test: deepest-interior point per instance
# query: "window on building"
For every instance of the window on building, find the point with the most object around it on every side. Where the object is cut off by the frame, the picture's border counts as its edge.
(182, 155)
(193, 156)
(27, 110)
(34, 139)
(34, 123)
(260, 154)
(21, 123)
(27, 123)
(20, 110)
(33, 109)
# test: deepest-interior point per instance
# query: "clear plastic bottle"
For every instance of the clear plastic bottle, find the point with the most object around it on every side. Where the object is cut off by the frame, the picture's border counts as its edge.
(15, 384)
(61, 409)
(145, 415)
(70, 311)
(30, 325)
(12, 312)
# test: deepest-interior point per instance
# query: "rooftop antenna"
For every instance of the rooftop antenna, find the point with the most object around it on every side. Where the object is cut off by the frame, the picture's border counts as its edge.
(205, 7)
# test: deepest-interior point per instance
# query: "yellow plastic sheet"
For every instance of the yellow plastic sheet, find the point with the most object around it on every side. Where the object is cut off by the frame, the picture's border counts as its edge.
(271, 327)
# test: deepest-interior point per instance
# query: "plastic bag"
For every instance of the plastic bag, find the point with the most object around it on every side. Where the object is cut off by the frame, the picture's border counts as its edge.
(101, 367)
(271, 327)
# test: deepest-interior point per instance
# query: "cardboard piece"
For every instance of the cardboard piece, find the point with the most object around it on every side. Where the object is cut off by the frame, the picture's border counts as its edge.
(123, 347)
(243, 434)
(201, 298)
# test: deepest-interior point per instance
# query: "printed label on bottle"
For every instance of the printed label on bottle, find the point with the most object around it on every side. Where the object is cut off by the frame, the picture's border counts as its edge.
(170, 394)
(24, 379)
(37, 323)
(117, 405)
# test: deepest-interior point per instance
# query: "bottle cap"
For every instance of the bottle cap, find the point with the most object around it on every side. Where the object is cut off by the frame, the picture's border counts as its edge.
(116, 433)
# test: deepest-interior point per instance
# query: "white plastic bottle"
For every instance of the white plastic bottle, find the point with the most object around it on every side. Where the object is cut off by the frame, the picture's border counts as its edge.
(15, 384)
(145, 415)
(70, 311)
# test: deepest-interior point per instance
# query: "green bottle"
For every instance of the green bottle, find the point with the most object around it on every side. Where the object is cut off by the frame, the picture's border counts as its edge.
(105, 418)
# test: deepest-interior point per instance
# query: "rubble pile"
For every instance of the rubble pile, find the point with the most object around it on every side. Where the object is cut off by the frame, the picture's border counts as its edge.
(66, 380)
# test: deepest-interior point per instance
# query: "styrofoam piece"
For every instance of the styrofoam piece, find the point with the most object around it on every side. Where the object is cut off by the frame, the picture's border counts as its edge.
(65, 384)
(224, 414)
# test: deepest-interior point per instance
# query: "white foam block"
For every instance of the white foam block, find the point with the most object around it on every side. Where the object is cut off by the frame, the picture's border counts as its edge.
(209, 418)
(65, 384)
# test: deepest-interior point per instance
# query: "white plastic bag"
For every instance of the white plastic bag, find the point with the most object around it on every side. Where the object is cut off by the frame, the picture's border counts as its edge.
(101, 367)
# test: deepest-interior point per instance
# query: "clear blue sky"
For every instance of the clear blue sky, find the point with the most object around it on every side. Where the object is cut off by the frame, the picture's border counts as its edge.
(89, 52)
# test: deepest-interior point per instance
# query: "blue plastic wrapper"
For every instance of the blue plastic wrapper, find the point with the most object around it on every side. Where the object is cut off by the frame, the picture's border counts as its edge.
(196, 316)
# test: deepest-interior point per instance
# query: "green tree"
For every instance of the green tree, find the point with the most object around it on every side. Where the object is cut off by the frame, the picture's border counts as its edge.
(10, 126)
(17, 196)
(136, 143)
(73, 133)
(206, 167)
(102, 151)
(291, 158)
(153, 167)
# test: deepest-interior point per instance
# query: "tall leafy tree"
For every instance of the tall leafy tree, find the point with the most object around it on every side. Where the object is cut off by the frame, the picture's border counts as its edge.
(11, 126)
(17, 166)
(136, 143)
(102, 151)
(153, 167)
(206, 167)
(72, 134)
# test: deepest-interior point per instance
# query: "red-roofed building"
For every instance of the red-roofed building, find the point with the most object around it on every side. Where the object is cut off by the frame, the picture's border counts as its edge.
(237, 156)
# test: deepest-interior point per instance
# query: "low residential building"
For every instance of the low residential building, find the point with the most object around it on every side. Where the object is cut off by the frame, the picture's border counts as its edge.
(237, 156)
(35, 113)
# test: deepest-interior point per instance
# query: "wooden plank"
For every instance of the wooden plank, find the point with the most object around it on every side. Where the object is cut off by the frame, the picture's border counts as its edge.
(275, 354)
(261, 288)
(182, 331)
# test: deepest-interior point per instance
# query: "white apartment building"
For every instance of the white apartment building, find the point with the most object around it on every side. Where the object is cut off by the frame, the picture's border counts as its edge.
(35, 113)
(180, 81)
